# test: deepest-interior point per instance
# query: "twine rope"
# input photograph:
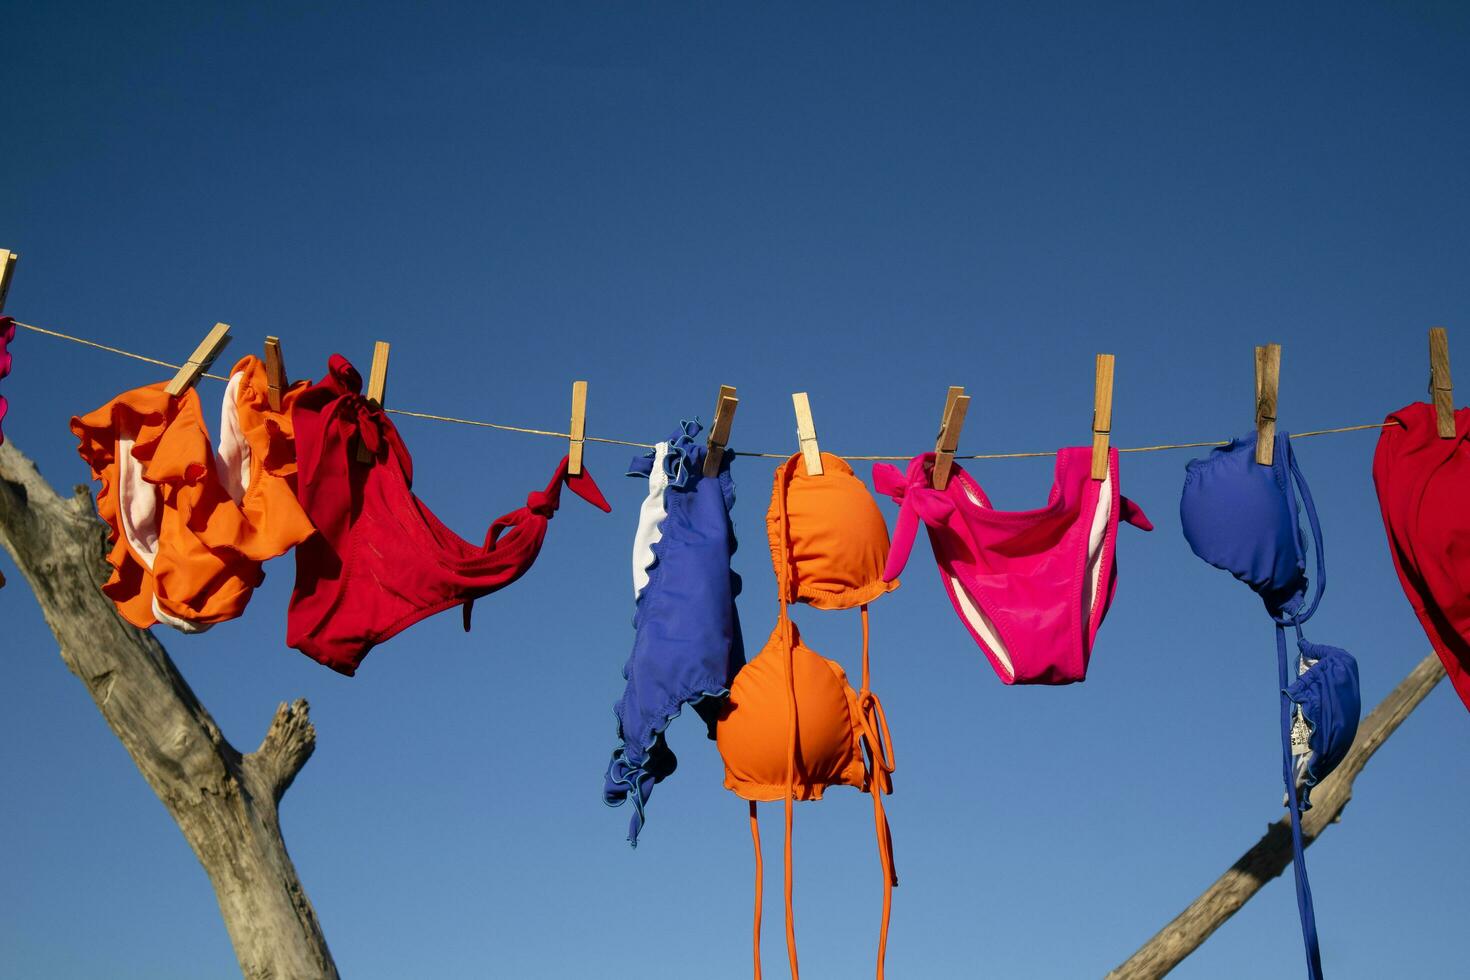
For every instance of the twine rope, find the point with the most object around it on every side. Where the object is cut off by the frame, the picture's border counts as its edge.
(645, 445)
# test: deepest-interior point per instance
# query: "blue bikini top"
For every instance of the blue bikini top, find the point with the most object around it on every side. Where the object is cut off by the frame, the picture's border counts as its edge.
(1242, 517)
(1326, 695)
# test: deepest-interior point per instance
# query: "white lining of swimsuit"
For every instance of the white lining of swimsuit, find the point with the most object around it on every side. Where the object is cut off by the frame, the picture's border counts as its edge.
(232, 462)
(971, 609)
(137, 512)
(138, 500)
(650, 520)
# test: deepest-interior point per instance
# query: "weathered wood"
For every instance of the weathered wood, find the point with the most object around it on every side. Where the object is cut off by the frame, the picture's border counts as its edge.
(1102, 414)
(806, 433)
(275, 372)
(8, 259)
(578, 429)
(200, 360)
(1268, 383)
(956, 406)
(376, 388)
(1441, 388)
(719, 430)
(1271, 855)
(224, 802)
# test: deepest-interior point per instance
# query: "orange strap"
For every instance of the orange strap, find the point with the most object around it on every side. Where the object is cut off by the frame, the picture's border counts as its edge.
(755, 836)
(791, 723)
(791, 930)
(789, 636)
(890, 876)
(879, 762)
(790, 918)
(877, 740)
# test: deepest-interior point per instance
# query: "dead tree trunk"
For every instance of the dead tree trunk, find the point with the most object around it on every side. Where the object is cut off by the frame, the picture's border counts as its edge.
(1271, 855)
(224, 802)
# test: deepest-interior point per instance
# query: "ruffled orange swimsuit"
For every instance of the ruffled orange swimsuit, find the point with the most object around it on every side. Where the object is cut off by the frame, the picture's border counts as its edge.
(189, 529)
(794, 726)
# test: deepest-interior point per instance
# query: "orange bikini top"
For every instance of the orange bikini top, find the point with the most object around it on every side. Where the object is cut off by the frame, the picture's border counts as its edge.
(829, 544)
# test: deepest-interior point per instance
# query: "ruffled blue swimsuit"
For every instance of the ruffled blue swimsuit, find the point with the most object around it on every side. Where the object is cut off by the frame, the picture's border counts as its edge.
(687, 647)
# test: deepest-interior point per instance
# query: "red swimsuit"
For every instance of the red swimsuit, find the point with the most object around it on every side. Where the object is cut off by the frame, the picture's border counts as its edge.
(1423, 485)
(381, 560)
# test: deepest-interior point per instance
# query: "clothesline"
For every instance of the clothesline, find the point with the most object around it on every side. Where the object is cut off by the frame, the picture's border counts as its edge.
(645, 445)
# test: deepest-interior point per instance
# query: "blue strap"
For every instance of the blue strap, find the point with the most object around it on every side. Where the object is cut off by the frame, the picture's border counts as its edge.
(1301, 485)
(1299, 866)
(1296, 483)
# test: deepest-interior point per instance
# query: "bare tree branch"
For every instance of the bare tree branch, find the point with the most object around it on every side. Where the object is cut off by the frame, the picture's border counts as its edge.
(1271, 855)
(288, 743)
(224, 804)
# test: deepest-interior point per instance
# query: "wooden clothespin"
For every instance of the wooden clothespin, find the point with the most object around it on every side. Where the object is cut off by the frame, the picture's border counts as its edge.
(275, 372)
(378, 375)
(1440, 386)
(578, 430)
(1102, 415)
(1268, 379)
(719, 430)
(376, 389)
(806, 434)
(199, 361)
(956, 404)
(7, 269)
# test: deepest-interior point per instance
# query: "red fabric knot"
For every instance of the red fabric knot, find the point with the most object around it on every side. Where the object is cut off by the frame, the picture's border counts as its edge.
(363, 421)
(368, 422)
(340, 370)
(543, 503)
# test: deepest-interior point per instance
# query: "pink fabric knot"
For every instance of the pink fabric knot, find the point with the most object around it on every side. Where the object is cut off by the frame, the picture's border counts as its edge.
(917, 500)
(889, 481)
(913, 490)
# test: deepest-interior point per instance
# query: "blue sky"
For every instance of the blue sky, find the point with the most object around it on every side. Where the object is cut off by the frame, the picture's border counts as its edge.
(865, 202)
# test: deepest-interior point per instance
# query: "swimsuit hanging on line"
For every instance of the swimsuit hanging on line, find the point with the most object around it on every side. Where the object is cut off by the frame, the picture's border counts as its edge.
(1423, 485)
(7, 334)
(256, 460)
(1241, 516)
(381, 560)
(687, 647)
(793, 725)
(1032, 587)
(189, 528)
